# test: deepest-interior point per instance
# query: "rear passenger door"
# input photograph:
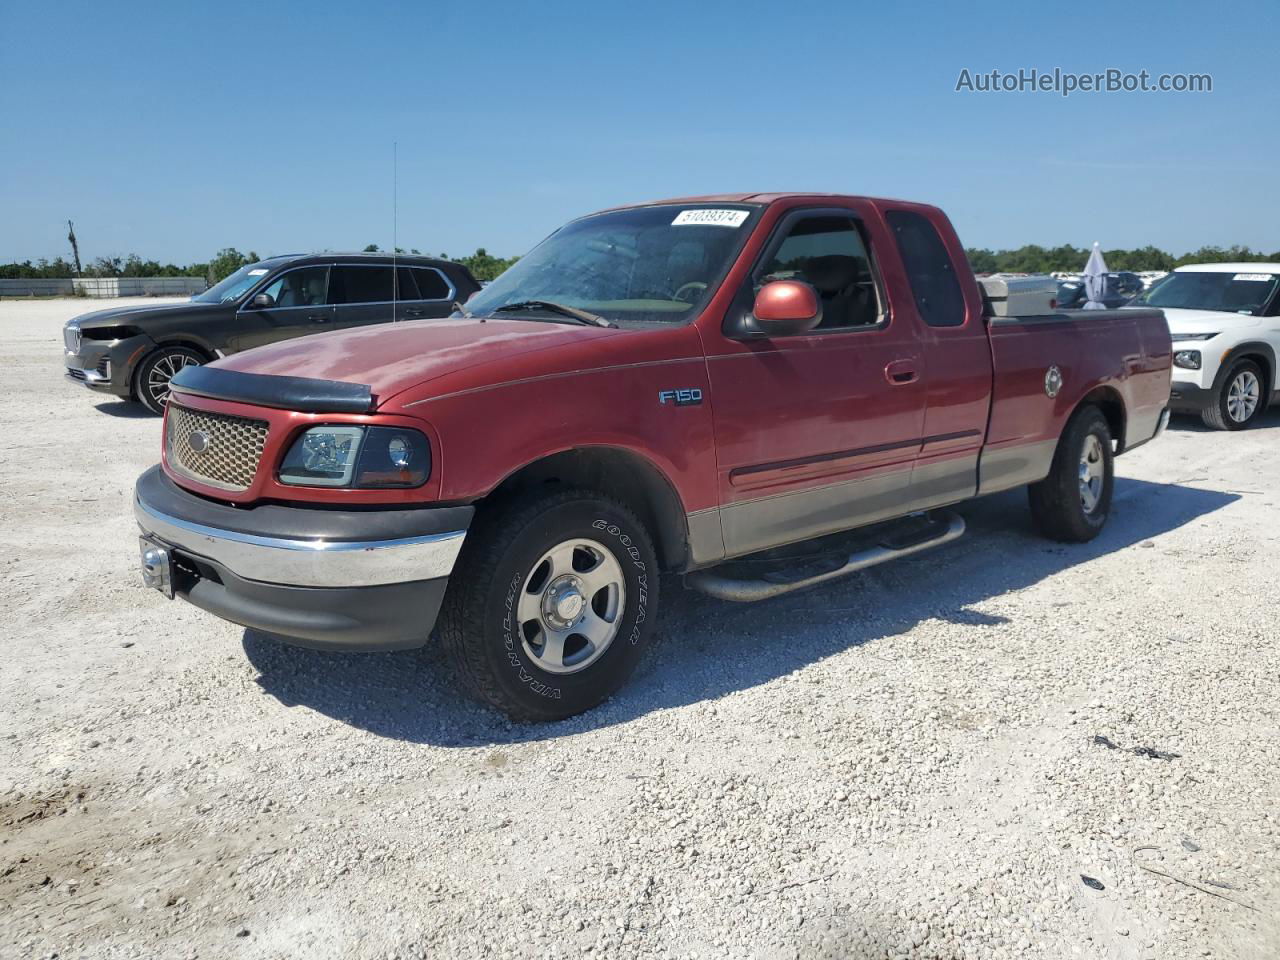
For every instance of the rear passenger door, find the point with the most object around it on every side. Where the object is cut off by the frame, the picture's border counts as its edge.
(362, 294)
(956, 356)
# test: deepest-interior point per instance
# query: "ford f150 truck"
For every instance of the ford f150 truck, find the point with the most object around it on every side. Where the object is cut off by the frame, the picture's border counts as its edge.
(759, 392)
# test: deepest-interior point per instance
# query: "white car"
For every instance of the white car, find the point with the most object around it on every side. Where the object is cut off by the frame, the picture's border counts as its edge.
(1225, 322)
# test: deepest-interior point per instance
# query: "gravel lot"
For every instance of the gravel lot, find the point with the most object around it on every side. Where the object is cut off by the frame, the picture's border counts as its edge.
(904, 763)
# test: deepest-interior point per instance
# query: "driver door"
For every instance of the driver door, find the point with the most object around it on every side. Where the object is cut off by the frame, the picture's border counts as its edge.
(298, 306)
(817, 432)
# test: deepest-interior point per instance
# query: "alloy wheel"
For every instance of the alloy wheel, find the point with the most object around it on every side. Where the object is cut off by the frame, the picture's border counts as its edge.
(1243, 396)
(571, 606)
(1092, 473)
(164, 370)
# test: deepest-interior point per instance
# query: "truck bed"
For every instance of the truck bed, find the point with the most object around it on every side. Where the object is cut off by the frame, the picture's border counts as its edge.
(1122, 356)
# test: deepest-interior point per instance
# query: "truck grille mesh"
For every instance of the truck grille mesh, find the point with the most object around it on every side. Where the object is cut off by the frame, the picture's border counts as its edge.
(232, 446)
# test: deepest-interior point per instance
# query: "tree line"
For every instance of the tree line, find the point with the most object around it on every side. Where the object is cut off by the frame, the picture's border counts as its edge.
(482, 264)
(1033, 258)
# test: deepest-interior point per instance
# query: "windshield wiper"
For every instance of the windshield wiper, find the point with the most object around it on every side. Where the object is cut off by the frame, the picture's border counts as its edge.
(573, 312)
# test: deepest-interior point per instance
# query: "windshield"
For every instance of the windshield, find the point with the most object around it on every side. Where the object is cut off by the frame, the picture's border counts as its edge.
(657, 264)
(235, 286)
(1229, 292)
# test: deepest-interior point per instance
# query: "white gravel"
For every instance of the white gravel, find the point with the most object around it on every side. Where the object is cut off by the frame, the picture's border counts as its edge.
(901, 764)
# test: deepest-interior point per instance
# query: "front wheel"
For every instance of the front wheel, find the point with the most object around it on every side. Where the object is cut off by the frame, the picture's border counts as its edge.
(1239, 401)
(1073, 502)
(151, 383)
(552, 604)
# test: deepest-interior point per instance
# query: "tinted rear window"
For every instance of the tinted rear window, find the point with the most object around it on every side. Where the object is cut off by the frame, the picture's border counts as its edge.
(431, 286)
(929, 269)
(352, 284)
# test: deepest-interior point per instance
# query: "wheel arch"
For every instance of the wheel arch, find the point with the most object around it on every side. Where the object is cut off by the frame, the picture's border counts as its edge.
(1261, 353)
(1109, 401)
(191, 343)
(624, 474)
(143, 356)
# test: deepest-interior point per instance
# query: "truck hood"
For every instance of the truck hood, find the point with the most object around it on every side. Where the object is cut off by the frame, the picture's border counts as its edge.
(1206, 321)
(114, 316)
(393, 357)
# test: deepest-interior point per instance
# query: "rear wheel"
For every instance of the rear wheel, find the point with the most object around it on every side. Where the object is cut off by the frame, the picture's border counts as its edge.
(1073, 502)
(1239, 400)
(552, 604)
(151, 382)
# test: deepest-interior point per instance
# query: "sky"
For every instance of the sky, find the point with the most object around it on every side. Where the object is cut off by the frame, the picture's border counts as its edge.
(174, 130)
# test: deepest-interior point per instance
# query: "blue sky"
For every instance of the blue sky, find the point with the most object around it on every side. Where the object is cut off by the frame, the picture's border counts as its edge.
(172, 130)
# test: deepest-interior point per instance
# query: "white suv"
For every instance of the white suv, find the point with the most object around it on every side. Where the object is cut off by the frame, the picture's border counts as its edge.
(1225, 322)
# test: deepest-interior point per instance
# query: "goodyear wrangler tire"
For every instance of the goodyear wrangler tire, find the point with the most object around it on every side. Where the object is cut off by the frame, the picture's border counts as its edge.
(552, 604)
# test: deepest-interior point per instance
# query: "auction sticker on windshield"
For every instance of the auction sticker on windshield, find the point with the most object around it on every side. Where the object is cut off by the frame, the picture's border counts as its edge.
(710, 218)
(1258, 277)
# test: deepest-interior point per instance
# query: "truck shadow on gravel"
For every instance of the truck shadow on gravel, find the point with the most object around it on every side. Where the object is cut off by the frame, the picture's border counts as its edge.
(710, 648)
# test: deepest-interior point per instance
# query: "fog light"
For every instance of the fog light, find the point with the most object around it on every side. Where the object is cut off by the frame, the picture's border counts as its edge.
(1187, 359)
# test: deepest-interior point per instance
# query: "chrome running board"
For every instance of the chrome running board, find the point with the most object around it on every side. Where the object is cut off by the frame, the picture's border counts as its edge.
(943, 529)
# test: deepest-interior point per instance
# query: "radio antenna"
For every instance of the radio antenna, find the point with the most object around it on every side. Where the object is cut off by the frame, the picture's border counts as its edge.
(395, 212)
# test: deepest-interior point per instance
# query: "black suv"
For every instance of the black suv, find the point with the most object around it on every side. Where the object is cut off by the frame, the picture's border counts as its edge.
(133, 352)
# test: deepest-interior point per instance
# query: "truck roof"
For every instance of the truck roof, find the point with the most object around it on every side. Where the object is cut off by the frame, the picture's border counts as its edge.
(1229, 268)
(760, 198)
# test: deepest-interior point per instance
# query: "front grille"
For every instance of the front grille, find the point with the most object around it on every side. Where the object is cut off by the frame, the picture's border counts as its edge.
(71, 337)
(231, 446)
(75, 374)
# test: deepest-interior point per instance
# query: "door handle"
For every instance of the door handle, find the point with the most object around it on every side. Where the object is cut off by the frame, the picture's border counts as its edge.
(900, 371)
(319, 317)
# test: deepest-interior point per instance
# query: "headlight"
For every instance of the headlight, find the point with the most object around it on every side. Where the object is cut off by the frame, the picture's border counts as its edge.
(1194, 336)
(1187, 359)
(363, 457)
(109, 333)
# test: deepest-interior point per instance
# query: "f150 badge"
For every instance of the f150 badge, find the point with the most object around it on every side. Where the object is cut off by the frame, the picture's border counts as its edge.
(681, 397)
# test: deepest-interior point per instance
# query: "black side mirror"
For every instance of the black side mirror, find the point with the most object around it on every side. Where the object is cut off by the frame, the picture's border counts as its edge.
(262, 301)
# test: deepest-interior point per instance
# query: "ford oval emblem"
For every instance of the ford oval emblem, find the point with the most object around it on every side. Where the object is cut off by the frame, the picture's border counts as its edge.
(198, 441)
(1052, 382)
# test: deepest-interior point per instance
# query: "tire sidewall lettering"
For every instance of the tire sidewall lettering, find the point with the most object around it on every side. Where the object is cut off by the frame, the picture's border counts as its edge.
(624, 546)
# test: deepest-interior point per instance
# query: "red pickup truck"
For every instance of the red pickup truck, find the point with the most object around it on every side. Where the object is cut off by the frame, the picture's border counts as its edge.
(801, 380)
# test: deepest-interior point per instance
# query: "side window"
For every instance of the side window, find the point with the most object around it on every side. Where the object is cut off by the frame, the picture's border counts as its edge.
(304, 287)
(828, 252)
(357, 284)
(431, 285)
(929, 269)
(406, 288)
(1274, 310)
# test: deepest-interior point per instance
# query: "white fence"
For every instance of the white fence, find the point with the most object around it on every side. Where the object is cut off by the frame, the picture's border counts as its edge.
(104, 287)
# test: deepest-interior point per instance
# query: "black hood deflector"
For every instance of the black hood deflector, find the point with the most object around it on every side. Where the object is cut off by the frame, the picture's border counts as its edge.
(304, 394)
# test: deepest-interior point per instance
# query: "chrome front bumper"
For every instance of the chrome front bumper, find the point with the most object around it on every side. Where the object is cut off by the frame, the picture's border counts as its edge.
(307, 562)
(334, 579)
